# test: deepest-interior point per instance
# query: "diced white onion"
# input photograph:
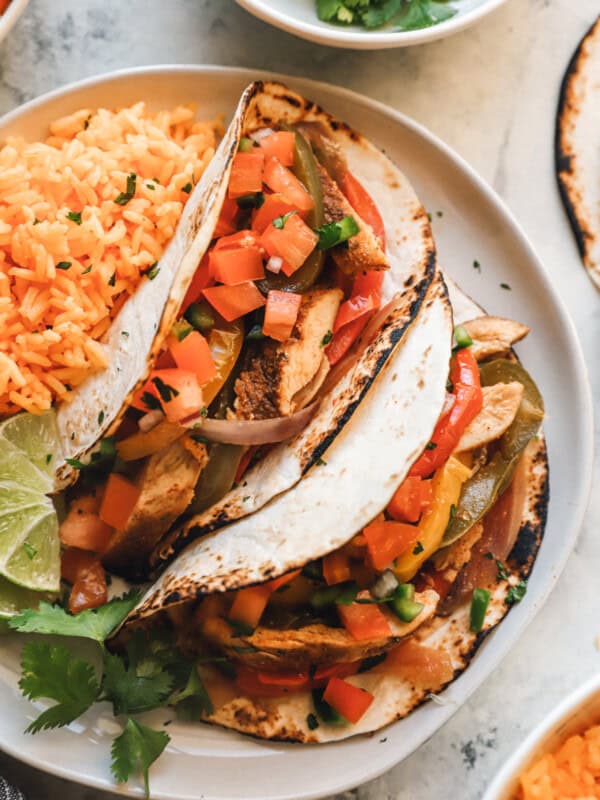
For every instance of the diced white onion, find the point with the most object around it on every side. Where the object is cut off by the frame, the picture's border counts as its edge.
(274, 264)
(150, 420)
(385, 585)
(261, 134)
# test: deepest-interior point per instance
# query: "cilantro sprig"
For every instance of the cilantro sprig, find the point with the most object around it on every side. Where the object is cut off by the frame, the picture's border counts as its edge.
(151, 673)
(405, 15)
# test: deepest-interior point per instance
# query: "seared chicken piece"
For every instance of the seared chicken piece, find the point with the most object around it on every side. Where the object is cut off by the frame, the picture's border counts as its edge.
(286, 376)
(452, 559)
(493, 335)
(362, 251)
(500, 405)
(167, 482)
(299, 649)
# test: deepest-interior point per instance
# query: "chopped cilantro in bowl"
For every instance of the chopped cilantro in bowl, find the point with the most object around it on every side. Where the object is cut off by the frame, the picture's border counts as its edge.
(402, 15)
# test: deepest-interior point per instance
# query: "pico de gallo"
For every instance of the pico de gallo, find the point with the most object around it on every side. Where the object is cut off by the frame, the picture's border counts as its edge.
(444, 537)
(291, 277)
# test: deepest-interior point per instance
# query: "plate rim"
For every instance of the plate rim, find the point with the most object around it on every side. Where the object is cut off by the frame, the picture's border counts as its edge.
(365, 40)
(527, 610)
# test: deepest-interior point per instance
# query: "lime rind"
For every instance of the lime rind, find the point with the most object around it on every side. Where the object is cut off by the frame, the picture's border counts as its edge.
(14, 598)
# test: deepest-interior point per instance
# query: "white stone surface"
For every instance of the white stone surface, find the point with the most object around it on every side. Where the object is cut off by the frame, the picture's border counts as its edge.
(491, 93)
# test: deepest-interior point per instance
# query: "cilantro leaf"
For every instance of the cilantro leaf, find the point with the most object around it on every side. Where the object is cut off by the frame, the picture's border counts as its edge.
(96, 624)
(51, 671)
(423, 14)
(193, 700)
(136, 749)
(137, 683)
(374, 17)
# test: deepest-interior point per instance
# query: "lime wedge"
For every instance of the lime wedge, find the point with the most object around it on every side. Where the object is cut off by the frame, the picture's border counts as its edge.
(37, 436)
(29, 543)
(29, 546)
(14, 598)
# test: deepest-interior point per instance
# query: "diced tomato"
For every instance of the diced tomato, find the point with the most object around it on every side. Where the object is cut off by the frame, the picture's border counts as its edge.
(293, 681)
(410, 499)
(422, 666)
(249, 604)
(200, 281)
(234, 266)
(244, 238)
(387, 540)
(344, 339)
(464, 374)
(246, 173)
(233, 302)
(193, 354)
(348, 700)
(364, 205)
(227, 218)
(336, 567)
(281, 145)
(89, 590)
(277, 583)
(354, 308)
(279, 179)
(364, 621)
(344, 670)
(118, 502)
(275, 205)
(180, 386)
(281, 314)
(73, 562)
(293, 243)
(85, 530)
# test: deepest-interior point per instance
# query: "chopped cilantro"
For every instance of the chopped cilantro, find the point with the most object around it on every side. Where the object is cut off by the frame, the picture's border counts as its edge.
(112, 279)
(64, 265)
(165, 391)
(335, 233)
(124, 197)
(30, 550)
(418, 548)
(101, 418)
(279, 222)
(516, 593)
(187, 188)
(505, 286)
(75, 216)
(327, 338)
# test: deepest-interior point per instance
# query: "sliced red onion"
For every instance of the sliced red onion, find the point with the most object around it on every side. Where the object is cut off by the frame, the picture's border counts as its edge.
(150, 420)
(253, 431)
(274, 264)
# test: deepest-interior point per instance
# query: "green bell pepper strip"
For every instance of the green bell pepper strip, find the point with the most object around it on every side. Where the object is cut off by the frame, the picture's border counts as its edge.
(480, 492)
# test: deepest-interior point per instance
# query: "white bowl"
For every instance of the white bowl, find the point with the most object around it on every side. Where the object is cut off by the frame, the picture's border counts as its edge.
(10, 16)
(300, 18)
(574, 715)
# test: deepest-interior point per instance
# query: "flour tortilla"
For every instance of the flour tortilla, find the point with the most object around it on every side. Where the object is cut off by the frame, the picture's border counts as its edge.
(332, 503)
(411, 254)
(139, 330)
(578, 148)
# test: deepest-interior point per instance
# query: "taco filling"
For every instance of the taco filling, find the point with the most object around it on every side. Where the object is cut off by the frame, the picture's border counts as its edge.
(442, 540)
(291, 277)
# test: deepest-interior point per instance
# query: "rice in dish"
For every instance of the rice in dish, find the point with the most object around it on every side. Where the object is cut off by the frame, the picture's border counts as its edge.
(84, 216)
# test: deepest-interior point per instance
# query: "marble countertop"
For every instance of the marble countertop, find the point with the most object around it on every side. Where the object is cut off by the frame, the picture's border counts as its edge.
(491, 94)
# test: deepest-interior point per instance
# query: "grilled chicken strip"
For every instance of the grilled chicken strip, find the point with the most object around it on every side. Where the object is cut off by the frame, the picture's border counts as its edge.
(276, 382)
(500, 405)
(300, 648)
(167, 482)
(360, 252)
(493, 335)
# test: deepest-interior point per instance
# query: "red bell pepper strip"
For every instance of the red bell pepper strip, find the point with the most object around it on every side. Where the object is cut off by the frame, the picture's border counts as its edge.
(468, 399)
(344, 339)
(348, 700)
(353, 315)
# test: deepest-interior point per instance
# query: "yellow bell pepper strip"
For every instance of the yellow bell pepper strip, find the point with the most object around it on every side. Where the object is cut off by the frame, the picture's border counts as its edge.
(140, 445)
(225, 343)
(446, 486)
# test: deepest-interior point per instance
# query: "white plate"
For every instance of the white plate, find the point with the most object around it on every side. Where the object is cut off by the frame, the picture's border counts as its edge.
(214, 764)
(300, 18)
(574, 715)
(10, 16)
